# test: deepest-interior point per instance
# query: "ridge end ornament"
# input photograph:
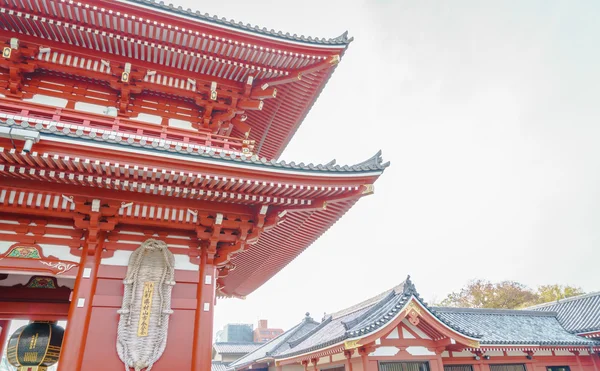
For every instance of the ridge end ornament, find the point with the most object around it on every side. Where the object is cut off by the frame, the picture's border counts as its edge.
(144, 314)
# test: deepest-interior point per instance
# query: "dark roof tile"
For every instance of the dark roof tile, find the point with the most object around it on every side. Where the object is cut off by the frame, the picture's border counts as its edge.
(280, 344)
(497, 326)
(578, 315)
(235, 347)
(342, 40)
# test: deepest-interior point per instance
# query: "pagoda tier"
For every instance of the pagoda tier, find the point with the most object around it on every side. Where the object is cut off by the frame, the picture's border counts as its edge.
(287, 205)
(142, 58)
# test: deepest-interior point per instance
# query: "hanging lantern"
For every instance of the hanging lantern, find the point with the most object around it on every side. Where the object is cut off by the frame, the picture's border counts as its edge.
(35, 346)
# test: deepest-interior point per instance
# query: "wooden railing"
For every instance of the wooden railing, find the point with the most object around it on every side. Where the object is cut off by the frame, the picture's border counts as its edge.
(123, 126)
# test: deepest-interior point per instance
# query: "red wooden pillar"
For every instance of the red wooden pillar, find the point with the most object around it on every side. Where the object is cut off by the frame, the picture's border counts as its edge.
(439, 364)
(203, 326)
(4, 326)
(578, 358)
(364, 356)
(595, 359)
(76, 332)
(314, 362)
(348, 355)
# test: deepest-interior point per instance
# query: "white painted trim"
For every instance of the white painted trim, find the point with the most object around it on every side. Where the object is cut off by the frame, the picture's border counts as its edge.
(224, 163)
(182, 262)
(62, 252)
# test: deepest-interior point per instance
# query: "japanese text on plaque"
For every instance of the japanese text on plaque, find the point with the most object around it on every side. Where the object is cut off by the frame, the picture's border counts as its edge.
(146, 309)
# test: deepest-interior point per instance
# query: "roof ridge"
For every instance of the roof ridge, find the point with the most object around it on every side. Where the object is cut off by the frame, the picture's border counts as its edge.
(517, 312)
(237, 342)
(371, 301)
(306, 319)
(294, 329)
(310, 333)
(358, 319)
(565, 300)
(341, 40)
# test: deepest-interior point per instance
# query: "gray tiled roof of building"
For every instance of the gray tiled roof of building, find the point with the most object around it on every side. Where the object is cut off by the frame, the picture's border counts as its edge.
(361, 319)
(578, 314)
(217, 366)
(278, 345)
(232, 347)
(341, 40)
(497, 326)
(488, 326)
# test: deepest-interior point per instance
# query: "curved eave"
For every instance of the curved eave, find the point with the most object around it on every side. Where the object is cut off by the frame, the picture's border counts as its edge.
(545, 345)
(277, 247)
(238, 164)
(379, 327)
(341, 41)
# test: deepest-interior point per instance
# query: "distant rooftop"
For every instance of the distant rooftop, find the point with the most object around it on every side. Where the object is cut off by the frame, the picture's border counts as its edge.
(577, 314)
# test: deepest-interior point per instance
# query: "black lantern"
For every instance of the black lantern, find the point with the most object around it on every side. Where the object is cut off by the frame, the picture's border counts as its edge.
(35, 346)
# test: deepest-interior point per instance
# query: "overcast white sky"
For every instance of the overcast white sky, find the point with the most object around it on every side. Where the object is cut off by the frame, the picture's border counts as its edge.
(489, 113)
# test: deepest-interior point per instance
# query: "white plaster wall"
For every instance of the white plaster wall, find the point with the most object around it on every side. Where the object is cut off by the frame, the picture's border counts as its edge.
(384, 352)
(121, 259)
(62, 252)
(419, 351)
(394, 334)
(338, 357)
(415, 329)
(4, 245)
(48, 100)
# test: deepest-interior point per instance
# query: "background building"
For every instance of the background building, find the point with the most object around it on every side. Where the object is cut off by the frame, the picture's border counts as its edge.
(263, 333)
(235, 332)
(226, 353)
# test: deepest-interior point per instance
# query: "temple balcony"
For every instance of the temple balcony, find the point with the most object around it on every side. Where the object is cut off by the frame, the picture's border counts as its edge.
(77, 122)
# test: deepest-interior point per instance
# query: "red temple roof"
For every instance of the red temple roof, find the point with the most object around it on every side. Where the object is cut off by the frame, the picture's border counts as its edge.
(150, 58)
(182, 51)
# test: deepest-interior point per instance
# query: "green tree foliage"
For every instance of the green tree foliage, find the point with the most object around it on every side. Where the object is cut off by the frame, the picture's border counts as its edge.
(506, 295)
(549, 293)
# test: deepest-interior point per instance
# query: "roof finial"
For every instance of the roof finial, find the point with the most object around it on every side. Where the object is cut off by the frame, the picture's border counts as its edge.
(409, 287)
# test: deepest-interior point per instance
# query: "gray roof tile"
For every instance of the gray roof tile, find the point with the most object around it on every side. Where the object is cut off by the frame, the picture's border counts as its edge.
(342, 40)
(497, 326)
(361, 319)
(375, 163)
(278, 345)
(489, 326)
(235, 347)
(577, 314)
(218, 366)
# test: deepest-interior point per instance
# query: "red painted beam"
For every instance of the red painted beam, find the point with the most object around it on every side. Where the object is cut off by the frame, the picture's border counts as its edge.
(34, 311)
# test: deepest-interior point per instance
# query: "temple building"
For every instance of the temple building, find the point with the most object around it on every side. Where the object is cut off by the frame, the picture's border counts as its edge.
(398, 331)
(579, 315)
(264, 333)
(228, 352)
(140, 180)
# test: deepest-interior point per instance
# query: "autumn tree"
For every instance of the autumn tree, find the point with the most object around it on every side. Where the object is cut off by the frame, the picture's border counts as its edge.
(506, 295)
(548, 293)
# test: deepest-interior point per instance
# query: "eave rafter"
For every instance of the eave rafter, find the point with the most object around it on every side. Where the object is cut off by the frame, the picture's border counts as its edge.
(222, 234)
(221, 104)
(221, 109)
